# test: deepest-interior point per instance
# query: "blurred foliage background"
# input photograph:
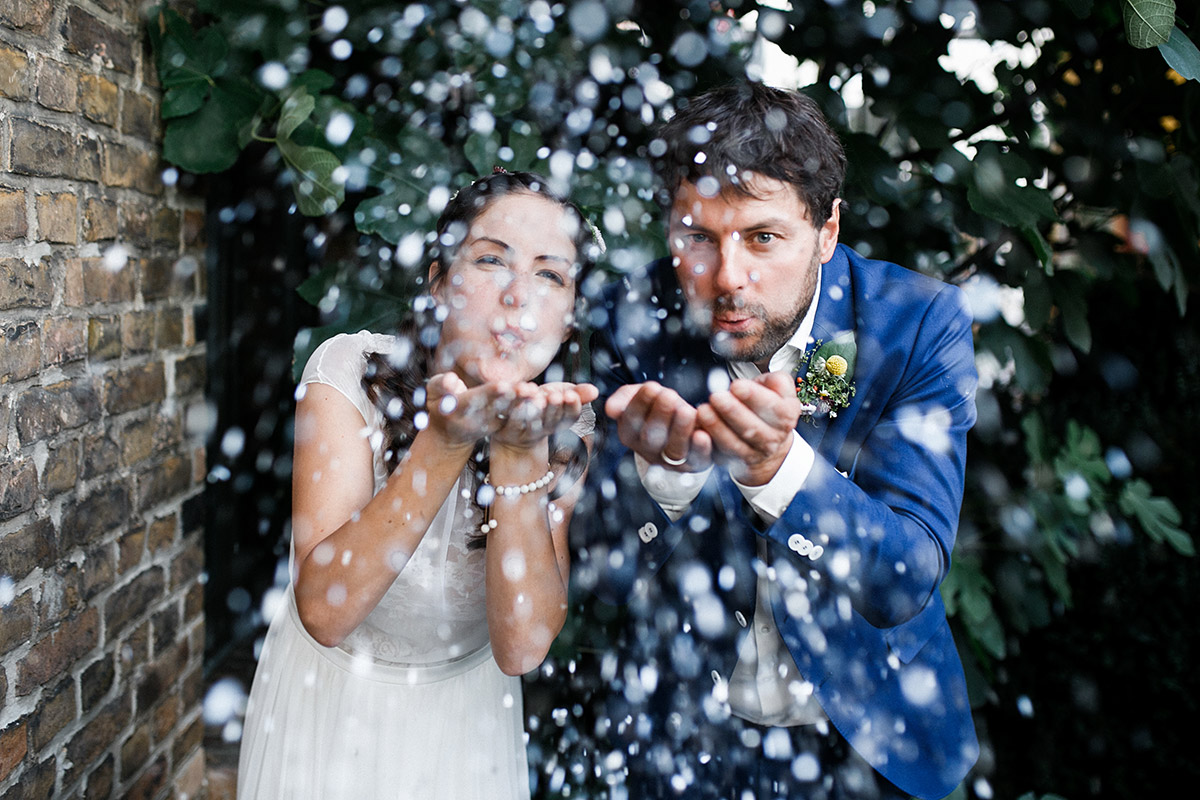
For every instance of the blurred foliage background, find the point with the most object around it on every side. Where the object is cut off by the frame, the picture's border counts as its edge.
(1041, 154)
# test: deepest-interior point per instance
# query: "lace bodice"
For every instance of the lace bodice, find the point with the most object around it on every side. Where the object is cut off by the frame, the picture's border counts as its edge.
(434, 612)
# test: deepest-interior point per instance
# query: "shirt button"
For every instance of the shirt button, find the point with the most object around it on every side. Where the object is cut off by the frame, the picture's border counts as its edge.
(740, 617)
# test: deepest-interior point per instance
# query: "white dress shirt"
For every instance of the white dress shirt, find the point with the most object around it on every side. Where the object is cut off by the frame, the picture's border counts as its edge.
(766, 686)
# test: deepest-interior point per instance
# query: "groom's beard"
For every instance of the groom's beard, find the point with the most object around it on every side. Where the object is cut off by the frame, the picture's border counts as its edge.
(775, 332)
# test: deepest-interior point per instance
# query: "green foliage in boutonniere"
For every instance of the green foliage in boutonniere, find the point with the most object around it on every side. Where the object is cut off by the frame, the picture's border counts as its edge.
(824, 385)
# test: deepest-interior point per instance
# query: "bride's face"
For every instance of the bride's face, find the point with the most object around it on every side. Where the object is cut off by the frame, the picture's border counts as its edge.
(509, 292)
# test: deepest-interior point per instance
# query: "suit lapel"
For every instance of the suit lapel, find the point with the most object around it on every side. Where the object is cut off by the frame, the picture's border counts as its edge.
(835, 316)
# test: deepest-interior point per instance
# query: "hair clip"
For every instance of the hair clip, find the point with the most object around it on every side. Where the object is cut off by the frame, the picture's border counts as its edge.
(499, 170)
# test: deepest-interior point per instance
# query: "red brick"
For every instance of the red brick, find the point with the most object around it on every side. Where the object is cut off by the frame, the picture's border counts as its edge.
(133, 600)
(134, 387)
(27, 15)
(131, 168)
(157, 485)
(99, 219)
(88, 36)
(46, 410)
(52, 656)
(18, 487)
(20, 351)
(14, 73)
(100, 781)
(41, 150)
(107, 282)
(134, 752)
(13, 224)
(98, 99)
(55, 711)
(105, 510)
(139, 117)
(150, 436)
(168, 328)
(95, 682)
(64, 339)
(151, 783)
(137, 332)
(104, 338)
(94, 738)
(56, 215)
(36, 781)
(14, 746)
(101, 455)
(57, 86)
(27, 548)
(61, 470)
(25, 286)
(17, 621)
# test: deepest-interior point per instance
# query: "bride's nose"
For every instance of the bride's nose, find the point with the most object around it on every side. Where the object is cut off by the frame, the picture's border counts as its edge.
(516, 293)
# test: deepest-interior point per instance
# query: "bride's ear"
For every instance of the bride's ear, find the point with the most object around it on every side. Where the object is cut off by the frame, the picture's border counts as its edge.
(435, 280)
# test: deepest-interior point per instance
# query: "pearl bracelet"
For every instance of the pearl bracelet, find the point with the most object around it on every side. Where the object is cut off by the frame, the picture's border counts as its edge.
(522, 488)
(515, 490)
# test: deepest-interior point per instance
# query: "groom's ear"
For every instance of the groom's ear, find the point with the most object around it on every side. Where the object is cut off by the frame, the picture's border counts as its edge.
(827, 234)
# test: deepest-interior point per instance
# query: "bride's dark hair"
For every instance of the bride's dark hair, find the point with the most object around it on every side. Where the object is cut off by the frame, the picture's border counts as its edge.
(395, 382)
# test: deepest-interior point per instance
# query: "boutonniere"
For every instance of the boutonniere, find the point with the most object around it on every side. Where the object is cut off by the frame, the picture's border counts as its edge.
(823, 382)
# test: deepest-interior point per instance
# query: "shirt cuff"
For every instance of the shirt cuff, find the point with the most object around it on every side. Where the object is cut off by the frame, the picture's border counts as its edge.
(772, 498)
(673, 491)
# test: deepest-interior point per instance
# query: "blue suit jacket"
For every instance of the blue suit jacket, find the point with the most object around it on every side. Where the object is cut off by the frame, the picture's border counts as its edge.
(864, 621)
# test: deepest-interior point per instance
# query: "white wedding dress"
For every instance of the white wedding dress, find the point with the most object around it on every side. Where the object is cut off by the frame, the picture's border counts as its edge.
(411, 704)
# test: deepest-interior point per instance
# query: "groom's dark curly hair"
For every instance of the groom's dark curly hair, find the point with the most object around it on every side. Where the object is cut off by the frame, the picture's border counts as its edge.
(748, 127)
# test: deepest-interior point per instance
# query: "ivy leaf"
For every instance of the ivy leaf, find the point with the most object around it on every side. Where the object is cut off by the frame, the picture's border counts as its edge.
(1158, 516)
(296, 109)
(1073, 304)
(1148, 23)
(524, 139)
(1181, 55)
(179, 101)
(482, 151)
(316, 190)
(207, 140)
(967, 591)
(315, 286)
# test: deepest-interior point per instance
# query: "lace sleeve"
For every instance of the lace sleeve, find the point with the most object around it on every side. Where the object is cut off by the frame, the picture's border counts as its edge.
(339, 362)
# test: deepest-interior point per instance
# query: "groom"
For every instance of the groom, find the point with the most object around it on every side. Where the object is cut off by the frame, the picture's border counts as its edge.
(779, 543)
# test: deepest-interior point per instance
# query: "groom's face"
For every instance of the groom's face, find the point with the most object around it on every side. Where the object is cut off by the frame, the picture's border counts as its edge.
(748, 264)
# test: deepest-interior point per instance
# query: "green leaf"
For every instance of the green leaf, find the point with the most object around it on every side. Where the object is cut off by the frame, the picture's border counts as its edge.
(1073, 305)
(179, 101)
(316, 191)
(315, 286)
(524, 139)
(1016, 206)
(1181, 55)
(1158, 516)
(206, 140)
(482, 152)
(1148, 23)
(296, 109)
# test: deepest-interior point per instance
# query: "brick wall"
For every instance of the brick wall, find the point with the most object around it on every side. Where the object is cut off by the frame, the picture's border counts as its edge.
(101, 381)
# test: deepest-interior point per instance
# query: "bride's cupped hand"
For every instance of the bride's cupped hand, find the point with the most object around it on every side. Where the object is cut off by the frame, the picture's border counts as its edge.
(539, 411)
(514, 415)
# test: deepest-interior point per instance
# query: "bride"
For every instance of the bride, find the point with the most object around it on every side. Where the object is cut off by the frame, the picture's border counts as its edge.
(433, 483)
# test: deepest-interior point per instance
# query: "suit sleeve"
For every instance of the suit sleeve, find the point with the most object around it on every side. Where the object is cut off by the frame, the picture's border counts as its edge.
(886, 528)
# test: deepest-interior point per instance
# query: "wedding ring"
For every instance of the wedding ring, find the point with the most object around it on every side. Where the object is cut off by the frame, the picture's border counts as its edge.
(672, 462)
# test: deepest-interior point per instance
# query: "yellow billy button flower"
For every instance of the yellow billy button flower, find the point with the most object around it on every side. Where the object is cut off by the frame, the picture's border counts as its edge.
(836, 365)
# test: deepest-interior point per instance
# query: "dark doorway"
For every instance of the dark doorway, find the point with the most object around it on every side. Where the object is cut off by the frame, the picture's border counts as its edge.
(258, 253)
